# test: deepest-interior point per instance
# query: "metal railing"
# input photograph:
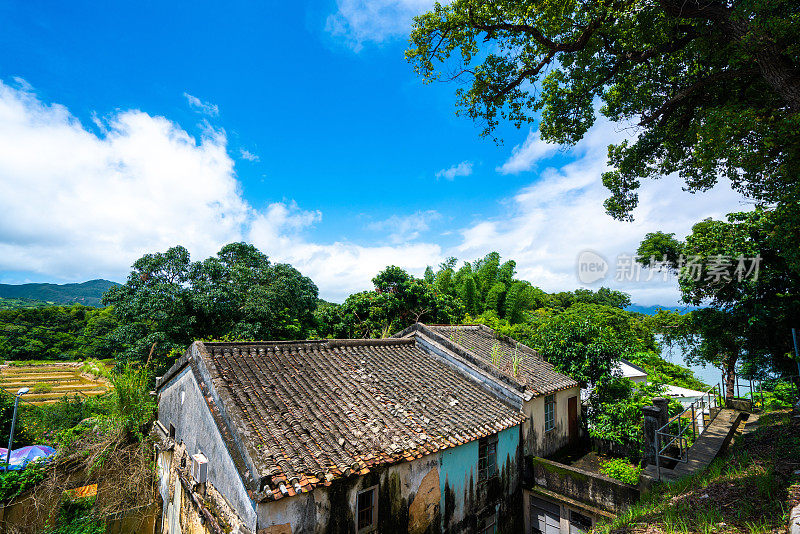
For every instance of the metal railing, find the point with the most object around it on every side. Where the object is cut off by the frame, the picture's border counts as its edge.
(752, 388)
(694, 416)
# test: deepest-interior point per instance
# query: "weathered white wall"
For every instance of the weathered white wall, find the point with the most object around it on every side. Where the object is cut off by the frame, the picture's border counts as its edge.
(436, 493)
(415, 482)
(196, 429)
(537, 442)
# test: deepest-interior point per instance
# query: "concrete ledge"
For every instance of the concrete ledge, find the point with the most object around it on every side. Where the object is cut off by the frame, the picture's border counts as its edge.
(575, 504)
(570, 483)
(743, 405)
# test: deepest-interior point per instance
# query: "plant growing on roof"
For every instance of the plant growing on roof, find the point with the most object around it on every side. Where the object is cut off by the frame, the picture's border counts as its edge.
(495, 354)
(516, 360)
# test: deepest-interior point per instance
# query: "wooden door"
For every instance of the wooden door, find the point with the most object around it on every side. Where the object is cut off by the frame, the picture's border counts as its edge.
(572, 410)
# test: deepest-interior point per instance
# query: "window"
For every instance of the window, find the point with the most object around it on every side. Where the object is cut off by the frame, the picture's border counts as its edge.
(489, 525)
(549, 413)
(579, 523)
(487, 458)
(367, 509)
(545, 517)
(171, 431)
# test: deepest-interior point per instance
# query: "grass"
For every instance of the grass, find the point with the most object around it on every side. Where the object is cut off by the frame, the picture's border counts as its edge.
(744, 491)
(30, 363)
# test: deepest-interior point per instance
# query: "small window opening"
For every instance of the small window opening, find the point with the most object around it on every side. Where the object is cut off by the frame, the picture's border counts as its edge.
(579, 523)
(487, 458)
(367, 510)
(549, 413)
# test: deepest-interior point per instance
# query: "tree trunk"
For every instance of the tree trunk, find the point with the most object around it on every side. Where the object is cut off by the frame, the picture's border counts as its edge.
(730, 376)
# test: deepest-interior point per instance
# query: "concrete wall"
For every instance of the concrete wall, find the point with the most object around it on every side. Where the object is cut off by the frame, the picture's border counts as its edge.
(591, 489)
(181, 404)
(437, 493)
(537, 442)
(191, 507)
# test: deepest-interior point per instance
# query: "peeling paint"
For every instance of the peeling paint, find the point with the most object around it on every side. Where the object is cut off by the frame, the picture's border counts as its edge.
(424, 510)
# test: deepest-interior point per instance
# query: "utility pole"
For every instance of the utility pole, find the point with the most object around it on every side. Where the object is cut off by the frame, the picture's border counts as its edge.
(20, 393)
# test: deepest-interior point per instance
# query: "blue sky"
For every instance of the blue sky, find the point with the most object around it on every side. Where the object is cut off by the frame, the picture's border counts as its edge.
(297, 126)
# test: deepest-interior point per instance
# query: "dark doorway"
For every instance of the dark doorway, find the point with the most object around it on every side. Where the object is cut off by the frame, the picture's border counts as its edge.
(572, 411)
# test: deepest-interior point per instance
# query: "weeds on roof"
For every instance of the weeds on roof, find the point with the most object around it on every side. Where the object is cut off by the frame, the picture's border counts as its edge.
(516, 360)
(496, 355)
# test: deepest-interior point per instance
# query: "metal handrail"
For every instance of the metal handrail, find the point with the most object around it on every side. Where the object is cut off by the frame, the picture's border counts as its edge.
(754, 387)
(708, 401)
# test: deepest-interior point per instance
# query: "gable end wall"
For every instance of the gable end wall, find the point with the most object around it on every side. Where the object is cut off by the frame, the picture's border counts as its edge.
(196, 428)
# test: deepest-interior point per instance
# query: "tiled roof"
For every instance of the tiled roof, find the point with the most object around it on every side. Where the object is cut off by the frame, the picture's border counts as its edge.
(309, 412)
(483, 342)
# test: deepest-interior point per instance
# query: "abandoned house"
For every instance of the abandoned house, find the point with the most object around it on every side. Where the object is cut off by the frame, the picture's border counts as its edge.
(424, 432)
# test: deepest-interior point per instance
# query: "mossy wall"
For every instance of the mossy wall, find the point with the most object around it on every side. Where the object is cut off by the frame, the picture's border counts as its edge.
(436, 494)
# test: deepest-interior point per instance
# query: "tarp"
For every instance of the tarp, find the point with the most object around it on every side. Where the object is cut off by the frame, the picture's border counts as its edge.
(24, 455)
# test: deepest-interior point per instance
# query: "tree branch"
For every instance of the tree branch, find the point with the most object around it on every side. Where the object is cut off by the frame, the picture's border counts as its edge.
(537, 35)
(687, 92)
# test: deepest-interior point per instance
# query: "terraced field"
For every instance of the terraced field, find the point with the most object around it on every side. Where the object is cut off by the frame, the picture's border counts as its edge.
(48, 383)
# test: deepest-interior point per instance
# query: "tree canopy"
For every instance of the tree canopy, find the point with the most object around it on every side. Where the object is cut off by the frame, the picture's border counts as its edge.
(168, 301)
(746, 269)
(712, 87)
(57, 333)
(398, 300)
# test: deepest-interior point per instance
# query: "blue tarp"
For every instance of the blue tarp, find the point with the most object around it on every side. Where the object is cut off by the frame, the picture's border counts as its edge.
(24, 455)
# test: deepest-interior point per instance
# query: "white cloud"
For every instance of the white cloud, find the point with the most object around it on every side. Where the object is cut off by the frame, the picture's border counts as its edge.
(462, 169)
(74, 202)
(206, 108)
(76, 205)
(561, 214)
(408, 228)
(249, 156)
(360, 21)
(524, 156)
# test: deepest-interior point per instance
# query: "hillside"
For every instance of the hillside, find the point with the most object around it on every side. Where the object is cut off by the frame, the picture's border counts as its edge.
(86, 293)
(747, 490)
(12, 304)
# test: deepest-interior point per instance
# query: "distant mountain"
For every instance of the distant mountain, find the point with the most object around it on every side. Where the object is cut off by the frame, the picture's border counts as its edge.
(651, 310)
(86, 293)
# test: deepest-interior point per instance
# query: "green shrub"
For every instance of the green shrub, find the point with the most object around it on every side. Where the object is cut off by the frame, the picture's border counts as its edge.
(14, 483)
(22, 435)
(76, 517)
(134, 408)
(777, 395)
(615, 409)
(622, 470)
(95, 368)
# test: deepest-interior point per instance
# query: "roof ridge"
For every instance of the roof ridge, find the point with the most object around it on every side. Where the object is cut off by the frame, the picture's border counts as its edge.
(354, 342)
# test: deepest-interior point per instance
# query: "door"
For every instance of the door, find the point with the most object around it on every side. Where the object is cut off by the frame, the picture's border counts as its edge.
(572, 411)
(545, 517)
